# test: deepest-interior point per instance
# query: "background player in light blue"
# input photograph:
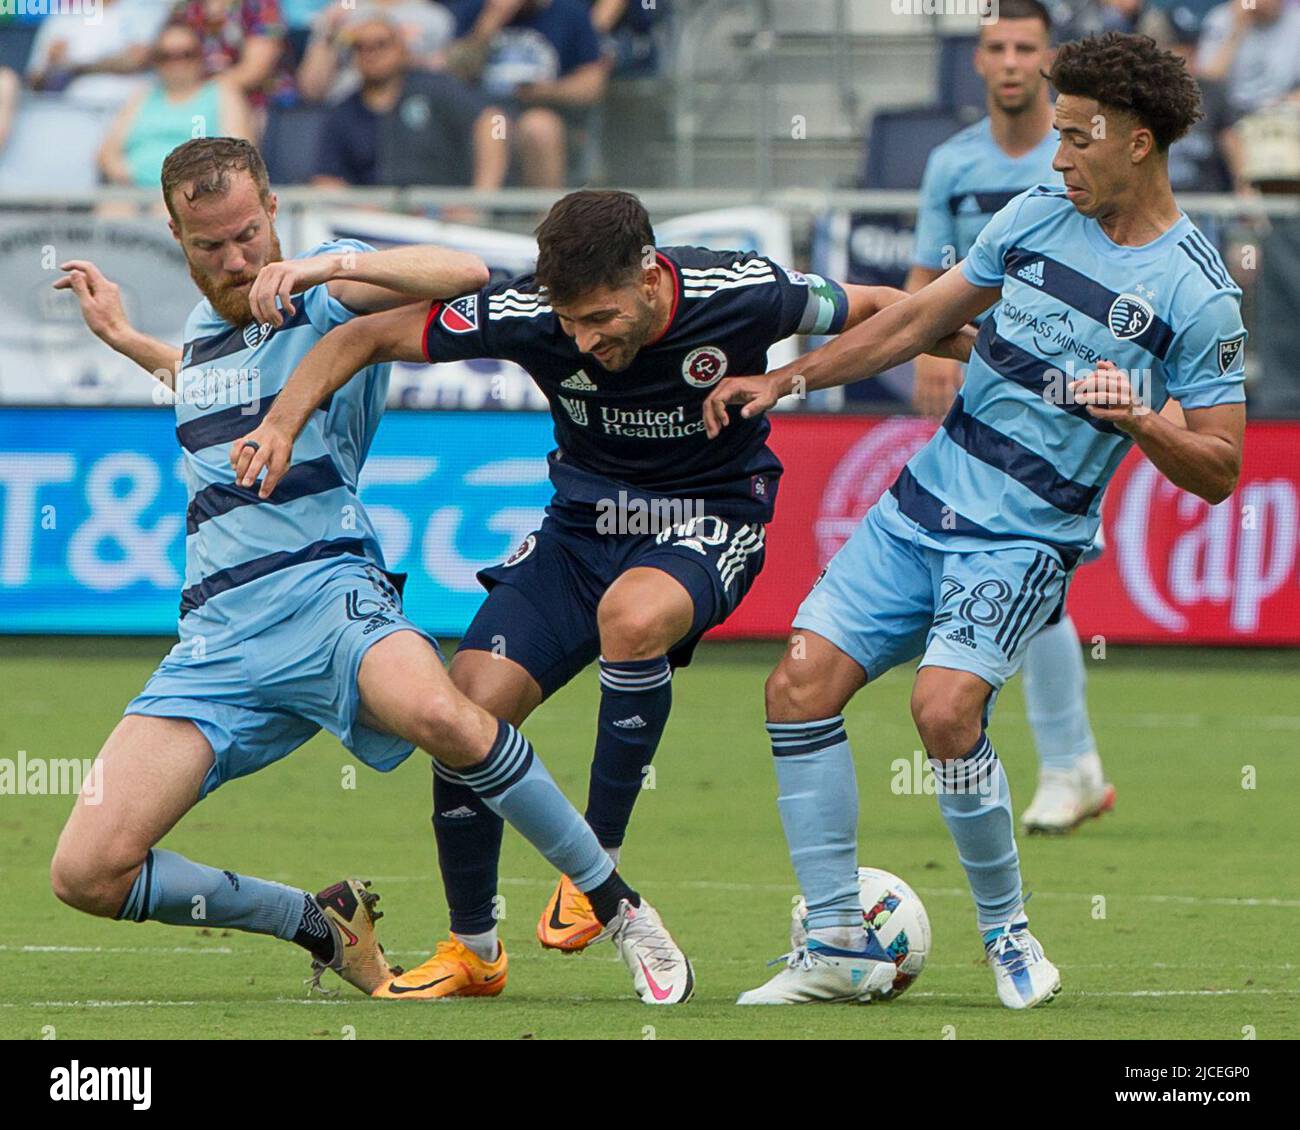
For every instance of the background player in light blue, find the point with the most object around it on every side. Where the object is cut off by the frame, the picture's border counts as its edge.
(967, 179)
(1109, 302)
(289, 621)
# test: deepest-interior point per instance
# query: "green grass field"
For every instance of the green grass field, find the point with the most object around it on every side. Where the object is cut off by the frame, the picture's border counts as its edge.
(1176, 917)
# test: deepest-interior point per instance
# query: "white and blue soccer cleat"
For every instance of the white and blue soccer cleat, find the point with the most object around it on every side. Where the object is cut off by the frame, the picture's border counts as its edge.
(818, 971)
(1024, 976)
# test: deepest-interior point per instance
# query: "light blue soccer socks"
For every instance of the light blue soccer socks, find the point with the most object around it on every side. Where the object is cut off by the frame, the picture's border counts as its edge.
(818, 802)
(975, 801)
(513, 783)
(1055, 700)
(180, 892)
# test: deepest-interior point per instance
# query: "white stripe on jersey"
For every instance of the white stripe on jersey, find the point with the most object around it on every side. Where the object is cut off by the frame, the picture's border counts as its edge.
(706, 290)
(753, 266)
(497, 315)
(518, 295)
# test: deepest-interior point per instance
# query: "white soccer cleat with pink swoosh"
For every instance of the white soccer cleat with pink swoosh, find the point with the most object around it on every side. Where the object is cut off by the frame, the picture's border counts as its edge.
(661, 973)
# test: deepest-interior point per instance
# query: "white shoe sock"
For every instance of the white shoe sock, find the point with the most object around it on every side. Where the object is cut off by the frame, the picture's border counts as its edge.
(485, 945)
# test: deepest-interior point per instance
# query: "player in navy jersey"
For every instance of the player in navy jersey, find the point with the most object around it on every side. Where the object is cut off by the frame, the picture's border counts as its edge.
(289, 620)
(967, 180)
(654, 534)
(1106, 303)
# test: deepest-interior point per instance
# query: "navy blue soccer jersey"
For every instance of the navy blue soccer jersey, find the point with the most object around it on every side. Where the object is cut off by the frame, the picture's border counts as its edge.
(642, 430)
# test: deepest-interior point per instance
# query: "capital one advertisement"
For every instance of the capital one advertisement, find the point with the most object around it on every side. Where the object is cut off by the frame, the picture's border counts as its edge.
(1176, 570)
(92, 528)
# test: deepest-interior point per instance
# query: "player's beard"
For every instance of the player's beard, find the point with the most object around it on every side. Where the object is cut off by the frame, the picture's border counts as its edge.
(226, 298)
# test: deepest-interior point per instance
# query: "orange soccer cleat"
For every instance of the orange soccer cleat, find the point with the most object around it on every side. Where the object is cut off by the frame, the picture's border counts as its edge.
(454, 970)
(568, 922)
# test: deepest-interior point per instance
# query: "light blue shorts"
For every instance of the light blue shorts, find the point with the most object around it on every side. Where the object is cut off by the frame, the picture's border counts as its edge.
(259, 699)
(886, 598)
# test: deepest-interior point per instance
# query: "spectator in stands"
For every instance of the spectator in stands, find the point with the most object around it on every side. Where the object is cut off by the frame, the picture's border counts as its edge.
(96, 63)
(544, 64)
(178, 105)
(244, 40)
(1254, 51)
(1207, 157)
(328, 71)
(407, 126)
(627, 29)
(10, 86)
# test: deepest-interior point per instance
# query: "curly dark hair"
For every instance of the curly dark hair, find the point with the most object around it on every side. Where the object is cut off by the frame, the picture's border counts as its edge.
(1131, 74)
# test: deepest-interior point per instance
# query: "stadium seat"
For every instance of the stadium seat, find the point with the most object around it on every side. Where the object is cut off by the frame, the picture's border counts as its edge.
(960, 87)
(899, 141)
(16, 45)
(292, 142)
(31, 163)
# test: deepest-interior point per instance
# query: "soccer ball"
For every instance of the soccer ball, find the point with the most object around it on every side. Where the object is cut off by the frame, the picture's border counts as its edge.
(895, 913)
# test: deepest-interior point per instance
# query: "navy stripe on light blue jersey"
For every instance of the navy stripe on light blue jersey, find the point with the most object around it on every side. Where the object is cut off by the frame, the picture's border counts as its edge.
(1088, 296)
(987, 203)
(225, 579)
(791, 739)
(315, 476)
(229, 424)
(931, 513)
(1207, 259)
(212, 348)
(1013, 458)
(1012, 363)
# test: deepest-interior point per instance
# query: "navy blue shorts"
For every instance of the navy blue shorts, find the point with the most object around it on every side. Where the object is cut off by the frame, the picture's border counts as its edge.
(541, 604)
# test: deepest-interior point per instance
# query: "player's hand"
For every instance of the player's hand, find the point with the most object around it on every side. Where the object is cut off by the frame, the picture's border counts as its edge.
(935, 382)
(1109, 395)
(755, 395)
(282, 279)
(267, 448)
(100, 299)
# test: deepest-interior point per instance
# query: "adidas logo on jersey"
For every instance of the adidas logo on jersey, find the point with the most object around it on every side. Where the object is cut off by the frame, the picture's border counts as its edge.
(963, 635)
(1032, 273)
(464, 812)
(636, 722)
(579, 382)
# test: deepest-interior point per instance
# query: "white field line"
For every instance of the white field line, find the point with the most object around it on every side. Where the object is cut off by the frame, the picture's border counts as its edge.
(328, 1002)
(936, 892)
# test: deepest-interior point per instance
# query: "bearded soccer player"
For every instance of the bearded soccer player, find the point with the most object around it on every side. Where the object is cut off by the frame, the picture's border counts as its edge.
(654, 535)
(289, 621)
(971, 550)
(967, 180)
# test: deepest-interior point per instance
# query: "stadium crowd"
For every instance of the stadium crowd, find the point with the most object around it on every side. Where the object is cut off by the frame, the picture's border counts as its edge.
(409, 91)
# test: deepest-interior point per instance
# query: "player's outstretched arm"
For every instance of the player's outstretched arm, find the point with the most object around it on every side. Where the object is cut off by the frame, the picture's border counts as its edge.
(896, 334)
(101, 308)
(1202, 454)
(865, 302)
(367, 281)
(394, 335)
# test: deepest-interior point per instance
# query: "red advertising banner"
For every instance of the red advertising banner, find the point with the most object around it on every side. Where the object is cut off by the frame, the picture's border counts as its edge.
(1176, 570)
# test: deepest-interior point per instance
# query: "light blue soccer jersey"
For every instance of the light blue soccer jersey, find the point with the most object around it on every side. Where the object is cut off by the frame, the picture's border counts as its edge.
(1016, 458)
(968, 179)
(249, 562)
